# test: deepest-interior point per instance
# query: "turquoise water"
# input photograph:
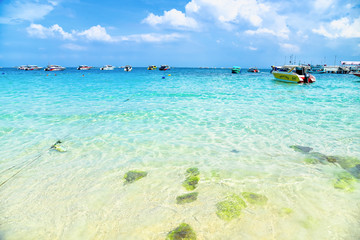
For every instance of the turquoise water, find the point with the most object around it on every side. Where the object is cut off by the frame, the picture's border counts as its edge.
(237, 129)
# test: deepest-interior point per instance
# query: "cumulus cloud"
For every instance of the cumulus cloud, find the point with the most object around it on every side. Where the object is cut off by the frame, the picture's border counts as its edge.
(173, 18)
(341, 28)
(96, 33)
(227, 14)
(26, 10)
(39, 31)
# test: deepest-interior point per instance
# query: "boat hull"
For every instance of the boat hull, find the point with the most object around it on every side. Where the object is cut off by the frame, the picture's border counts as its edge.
(292, 77)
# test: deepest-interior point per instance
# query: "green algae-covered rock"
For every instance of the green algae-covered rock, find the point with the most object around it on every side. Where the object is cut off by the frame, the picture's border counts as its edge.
(134, 175)
(301, 149)
(192, 171)
(320, 156)
(230, 208)
(345, 181)
(311, 160)
(254, 198)
(347, 162)
(191, 182)
(187, 198)
(184, 231)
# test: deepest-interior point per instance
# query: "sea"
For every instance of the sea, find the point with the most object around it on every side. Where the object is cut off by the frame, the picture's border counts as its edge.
(296, 145)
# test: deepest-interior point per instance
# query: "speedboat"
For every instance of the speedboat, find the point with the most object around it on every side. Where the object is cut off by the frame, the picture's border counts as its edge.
(152, 67)
(294, 74)
(23, 67)
(127, 68)
(236, 69)
(54, 68)
(107, 67)
(164, 68)
(254, 70)
(29, 67)
(84, 67)
(32, 67)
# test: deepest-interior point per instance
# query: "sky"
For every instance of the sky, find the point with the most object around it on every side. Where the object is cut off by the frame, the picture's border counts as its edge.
(181, 33)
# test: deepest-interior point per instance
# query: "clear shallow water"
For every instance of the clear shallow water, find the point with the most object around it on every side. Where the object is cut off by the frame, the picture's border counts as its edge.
(236, 129)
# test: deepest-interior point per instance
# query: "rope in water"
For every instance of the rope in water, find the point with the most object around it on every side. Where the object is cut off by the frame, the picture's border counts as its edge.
(26, 164)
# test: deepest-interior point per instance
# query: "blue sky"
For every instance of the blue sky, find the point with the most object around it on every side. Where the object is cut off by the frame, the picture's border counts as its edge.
(193, 33)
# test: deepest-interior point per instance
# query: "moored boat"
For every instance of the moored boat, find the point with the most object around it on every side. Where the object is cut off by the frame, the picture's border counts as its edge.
(152, 67)
(164, 68)
(107, 67)
(294, 74)
(127, 68)
(236, 69)
(84, 67)
(54, 68)
(29, 67)
(254, 70)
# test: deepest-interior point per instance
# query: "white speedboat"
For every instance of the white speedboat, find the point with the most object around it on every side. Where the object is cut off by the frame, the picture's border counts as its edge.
(127, 68)
(32, 67)
(54, 68)
(84, 67)
(107, 67)
(294, 74)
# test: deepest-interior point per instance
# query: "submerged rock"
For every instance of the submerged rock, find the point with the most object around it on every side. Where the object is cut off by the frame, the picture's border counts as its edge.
(311, 160)
(301, 149)
(254, 198)
(191, 182)
(187, 198)
(230, 208)
(235, 151)
(285, 211)
(345, 181)
(134, 175)
(194, 171)
(347, 162)
(184, 231)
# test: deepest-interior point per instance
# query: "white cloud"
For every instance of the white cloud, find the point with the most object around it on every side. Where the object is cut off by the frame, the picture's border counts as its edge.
(74, 47)
(173, 18)
(227, 14)
(252, 48)
(341, 28)
(39, 31)
(152, 37)
(322, 5)
(229, 11)
(289, 47)
(19, 11)
(96, 33)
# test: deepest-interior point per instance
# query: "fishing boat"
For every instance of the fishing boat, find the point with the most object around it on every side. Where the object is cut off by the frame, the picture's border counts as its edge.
(84, 67)
(107, 67)
(152, 67)
(164, 68)
(356, 74)
(236, 69)
(127, 68)
(294, 74)
(254, 70)
(54, 68)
